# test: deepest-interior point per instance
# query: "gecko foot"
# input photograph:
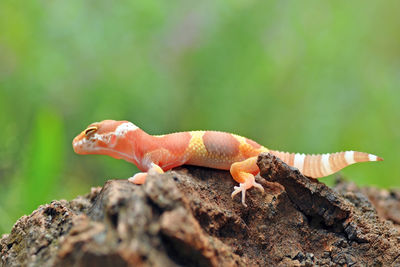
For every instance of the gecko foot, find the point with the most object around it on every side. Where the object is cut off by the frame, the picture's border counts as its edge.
(249, 183)
(138, 178)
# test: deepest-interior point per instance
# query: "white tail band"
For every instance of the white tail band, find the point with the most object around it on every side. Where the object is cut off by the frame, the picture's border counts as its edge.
(326, 165)
(299, 161)
(372, 157)
(349, 157)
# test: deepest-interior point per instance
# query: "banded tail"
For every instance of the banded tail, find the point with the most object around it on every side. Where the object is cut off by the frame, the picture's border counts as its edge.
(321, 165)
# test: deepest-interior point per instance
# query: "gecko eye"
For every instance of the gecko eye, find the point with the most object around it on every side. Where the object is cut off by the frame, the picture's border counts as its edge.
(90, 130)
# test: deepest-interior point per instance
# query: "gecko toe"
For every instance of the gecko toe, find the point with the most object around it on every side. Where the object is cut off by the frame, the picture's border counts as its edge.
(258, 186)
(240, 189)
(237, 189)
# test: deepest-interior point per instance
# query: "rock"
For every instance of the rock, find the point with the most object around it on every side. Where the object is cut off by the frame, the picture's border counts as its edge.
(186, 217)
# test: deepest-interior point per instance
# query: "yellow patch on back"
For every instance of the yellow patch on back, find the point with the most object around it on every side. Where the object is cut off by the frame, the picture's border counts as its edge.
(196, 145)
(198, 155)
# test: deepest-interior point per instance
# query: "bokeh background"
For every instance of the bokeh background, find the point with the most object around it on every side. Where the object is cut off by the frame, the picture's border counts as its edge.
(299, 76)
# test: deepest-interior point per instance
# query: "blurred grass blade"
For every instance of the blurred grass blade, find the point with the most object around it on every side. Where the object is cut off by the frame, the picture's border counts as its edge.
(44, 160)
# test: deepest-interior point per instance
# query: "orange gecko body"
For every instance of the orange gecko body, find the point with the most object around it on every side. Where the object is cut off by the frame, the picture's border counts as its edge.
(219, 150)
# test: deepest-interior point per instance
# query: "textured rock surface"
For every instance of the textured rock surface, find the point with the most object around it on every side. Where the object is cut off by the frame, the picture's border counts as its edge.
(187, 218)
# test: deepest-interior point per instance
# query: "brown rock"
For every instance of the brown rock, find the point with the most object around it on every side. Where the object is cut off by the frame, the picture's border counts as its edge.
(186, 217)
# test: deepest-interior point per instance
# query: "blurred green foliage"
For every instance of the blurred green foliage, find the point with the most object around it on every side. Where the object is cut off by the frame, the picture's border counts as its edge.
(299, 76)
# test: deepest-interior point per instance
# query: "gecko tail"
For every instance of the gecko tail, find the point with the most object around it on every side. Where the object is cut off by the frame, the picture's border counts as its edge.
(322, 165)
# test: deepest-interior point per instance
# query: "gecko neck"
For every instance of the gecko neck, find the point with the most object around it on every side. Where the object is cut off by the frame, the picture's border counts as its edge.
(140, 143)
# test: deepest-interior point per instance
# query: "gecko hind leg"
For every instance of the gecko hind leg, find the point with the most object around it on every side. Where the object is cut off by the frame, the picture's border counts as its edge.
(243, 172)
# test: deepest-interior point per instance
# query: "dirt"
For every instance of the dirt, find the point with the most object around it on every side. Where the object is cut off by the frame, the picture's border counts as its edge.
(186, 217)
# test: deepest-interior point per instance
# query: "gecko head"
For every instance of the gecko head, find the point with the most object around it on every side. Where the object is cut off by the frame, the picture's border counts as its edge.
(105, 137)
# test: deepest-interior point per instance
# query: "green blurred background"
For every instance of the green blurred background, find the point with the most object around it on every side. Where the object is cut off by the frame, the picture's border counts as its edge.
(300, 76)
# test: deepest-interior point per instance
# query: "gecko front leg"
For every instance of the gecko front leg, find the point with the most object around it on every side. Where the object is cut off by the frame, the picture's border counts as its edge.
(140, 177)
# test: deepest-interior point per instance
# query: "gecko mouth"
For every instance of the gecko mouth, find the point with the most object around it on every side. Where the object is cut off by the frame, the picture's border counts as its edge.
(77, 146)
(81, 145)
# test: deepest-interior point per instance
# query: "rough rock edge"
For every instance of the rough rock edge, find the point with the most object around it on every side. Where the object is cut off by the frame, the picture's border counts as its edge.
(186, 217)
